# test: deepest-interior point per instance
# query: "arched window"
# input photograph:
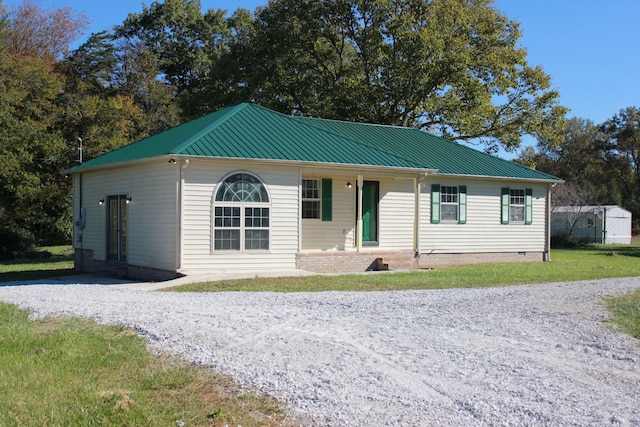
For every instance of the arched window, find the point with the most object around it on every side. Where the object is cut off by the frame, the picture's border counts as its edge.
(241, 209)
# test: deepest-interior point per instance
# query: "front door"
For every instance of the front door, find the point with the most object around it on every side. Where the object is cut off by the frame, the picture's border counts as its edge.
(370, 193)
(117, 228)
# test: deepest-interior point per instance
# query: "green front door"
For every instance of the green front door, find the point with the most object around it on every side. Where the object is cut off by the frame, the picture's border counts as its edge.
(370, 192)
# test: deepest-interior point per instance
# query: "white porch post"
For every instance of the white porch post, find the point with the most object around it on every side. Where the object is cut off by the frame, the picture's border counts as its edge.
(417, 189)
(359, 215)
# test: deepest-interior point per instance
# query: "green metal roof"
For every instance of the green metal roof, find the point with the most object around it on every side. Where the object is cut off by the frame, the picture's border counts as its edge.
(248, 131)
(430, 151)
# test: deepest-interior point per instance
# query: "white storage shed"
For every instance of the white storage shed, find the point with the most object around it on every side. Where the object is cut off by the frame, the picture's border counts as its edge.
(609, 224)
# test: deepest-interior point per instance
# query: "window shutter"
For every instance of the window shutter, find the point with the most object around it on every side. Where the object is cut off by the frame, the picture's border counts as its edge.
(462, 204)
(528, 206)
(327, 199)
(505, 205)
(435, 203)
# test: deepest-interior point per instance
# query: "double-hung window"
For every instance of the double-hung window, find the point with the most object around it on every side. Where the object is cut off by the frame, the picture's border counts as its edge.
(241, 214)
(517, 205)
(317, 200)
(449, 203)
(311, 198)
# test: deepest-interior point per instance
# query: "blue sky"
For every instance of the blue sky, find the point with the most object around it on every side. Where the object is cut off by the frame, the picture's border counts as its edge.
(591, 48)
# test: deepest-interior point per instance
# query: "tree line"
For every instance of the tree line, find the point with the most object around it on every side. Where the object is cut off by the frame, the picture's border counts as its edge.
(600, 163)
(450, 67)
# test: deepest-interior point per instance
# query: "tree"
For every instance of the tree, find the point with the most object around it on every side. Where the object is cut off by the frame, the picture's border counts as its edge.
(568, 200)
(34, 195)
(447, 66)
(620, 147)
(184, 42)
(4, 29)
(93, 107)
(137, 77)
(43, 33)
(577, 159)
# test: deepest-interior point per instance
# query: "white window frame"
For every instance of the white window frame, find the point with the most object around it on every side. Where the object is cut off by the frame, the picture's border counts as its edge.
(240, 225)
(449, 196)
(440, 198)
(317, 199)
(517, 203)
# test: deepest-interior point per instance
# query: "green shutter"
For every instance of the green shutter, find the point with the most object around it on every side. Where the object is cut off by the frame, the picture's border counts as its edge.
(435, 203)
(462, 204)
(504, 200)
(528, 206)
(327, 199)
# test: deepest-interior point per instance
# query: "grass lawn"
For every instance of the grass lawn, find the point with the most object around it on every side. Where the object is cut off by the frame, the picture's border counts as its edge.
(60, 263)
(72, 372)
(626, 312)
(594, 262)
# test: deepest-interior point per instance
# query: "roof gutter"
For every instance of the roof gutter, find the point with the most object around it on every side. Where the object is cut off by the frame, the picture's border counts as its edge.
(295, 163)
(503, 178)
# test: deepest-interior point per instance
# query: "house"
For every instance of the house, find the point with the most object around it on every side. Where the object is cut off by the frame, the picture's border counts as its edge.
(592, 224)
(249, 188)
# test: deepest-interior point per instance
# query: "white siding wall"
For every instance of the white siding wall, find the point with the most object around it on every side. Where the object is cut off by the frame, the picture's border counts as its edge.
(201, 180)
(483, 231)
(152, 219)
(151, 222)
(337, 234)
(396, 209)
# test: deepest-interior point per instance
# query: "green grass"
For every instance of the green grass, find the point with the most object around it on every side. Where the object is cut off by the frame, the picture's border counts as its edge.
(595, 262)
(59, 264)
(625, 311)
(67, 371)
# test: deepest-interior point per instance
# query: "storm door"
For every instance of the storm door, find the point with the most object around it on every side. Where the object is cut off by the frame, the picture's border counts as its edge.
(117, 228)
(370, 194)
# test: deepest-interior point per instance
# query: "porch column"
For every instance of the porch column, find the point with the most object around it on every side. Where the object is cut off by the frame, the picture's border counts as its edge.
(417, 189)
(359, 215)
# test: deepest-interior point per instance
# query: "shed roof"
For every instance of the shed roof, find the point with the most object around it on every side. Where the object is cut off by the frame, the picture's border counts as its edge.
(248, 131)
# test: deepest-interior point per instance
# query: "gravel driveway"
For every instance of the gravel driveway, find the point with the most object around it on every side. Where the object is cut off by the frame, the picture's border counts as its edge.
(521, 355)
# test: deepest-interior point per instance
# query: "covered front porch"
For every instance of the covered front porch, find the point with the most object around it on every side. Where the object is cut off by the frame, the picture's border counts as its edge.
(354, 221)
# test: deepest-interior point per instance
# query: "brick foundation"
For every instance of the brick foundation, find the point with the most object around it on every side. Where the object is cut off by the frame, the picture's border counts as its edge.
(354, 262)
(438, 260)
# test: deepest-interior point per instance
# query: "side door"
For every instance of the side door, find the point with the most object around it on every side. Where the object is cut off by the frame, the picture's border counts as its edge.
(117, 228)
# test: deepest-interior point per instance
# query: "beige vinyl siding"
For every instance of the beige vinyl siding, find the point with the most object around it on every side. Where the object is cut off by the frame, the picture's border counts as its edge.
(201, 179)
(337, 234)
(151, 218)
(483, 231)
(397, 207)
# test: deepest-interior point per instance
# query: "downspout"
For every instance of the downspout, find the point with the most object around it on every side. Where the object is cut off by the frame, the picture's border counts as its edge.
(81, 212)
(299, 228)
(547, 250)
(359, 215)
(180, 214)
(603, 229)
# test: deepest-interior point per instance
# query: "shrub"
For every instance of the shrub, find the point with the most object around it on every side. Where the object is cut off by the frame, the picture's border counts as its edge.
(14, 242)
